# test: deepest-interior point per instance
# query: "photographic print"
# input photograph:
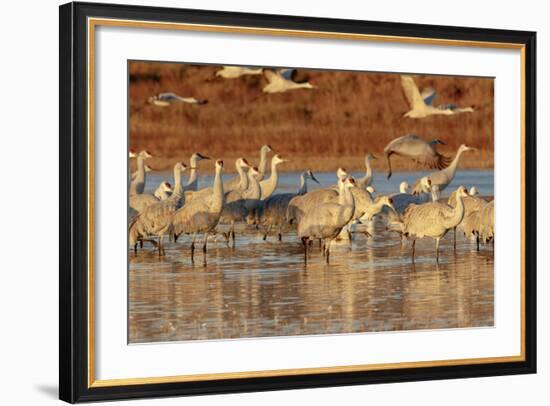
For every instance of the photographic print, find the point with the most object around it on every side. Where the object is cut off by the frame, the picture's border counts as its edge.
(288, 202)
(283, 201)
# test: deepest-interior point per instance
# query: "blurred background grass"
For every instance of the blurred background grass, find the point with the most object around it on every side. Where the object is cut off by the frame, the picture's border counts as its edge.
(347, 115)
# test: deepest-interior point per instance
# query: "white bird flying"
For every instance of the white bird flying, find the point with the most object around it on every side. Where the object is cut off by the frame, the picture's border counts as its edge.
(421, 104)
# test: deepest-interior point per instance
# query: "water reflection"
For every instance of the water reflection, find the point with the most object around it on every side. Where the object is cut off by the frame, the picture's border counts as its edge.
(263, 288)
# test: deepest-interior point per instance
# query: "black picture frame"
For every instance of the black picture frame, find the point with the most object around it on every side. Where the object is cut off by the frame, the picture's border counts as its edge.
(73, 255)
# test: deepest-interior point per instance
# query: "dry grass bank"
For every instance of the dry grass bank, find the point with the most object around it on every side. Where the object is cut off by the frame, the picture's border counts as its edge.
(347, 115)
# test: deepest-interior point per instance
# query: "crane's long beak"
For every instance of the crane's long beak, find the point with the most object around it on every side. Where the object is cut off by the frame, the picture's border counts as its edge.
(204, 157)
(313, 178)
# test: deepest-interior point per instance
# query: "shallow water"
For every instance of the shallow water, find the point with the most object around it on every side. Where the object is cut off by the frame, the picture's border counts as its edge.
(264, 288)
(290, 181)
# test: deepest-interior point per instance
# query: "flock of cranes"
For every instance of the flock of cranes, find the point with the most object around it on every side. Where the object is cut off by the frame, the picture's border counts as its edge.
(324, 214)
(284, 80)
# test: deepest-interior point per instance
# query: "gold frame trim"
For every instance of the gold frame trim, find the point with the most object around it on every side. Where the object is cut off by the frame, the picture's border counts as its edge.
(94, 22)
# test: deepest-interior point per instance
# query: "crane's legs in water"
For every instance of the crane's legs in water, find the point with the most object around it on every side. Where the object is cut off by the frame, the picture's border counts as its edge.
(414, 247)
(477, 242)
(437, 249)
(204, 249)
(305, 242)
(204, 243)
(454, 238)
(193, 248)
(266, 232)
(161, 246)
(328, 251)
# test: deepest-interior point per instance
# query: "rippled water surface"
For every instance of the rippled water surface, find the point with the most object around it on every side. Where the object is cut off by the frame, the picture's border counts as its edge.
(264, 288)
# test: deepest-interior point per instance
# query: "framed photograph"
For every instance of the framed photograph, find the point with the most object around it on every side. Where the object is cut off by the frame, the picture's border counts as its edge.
(258, 202)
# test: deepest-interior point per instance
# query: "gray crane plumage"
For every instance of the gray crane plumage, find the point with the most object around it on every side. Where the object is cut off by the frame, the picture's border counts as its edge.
(164, 191)
(419, 150)
(193, 180)
(472, 207)
(137, 185)
(262, 166)
(299, 204)
(269, 185)
(156, 219)
(142, 201)
(201, 215)
(240, 203)
(327, 219)
(486, 225)
(238, 182)
(366, 181)
(443, 177)
(433, 219)
(271, 212)
(167, 98)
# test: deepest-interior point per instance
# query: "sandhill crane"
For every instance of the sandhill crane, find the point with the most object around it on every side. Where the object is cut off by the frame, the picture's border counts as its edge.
(422, 106)
(167, 98)
(403, 199)
(238, 182)
(234, 72)
(241, 180)
(433, 219)
(156, 219)
(177, 194)
(201, 216)
(269, 185)
(486, 225)
(417, 149)
(147, 170)
(264, 150)
(472, 204)
(404, 187)
(374, 206)
(327, 219)
(131, 155)
(138, 183)
(299, 204)
(240, 203)
(164, 191)
(193, 181)
(367, 179)
(281, 81)
(141, 201)
(445, 176)
(366, 207)
(428, 94)
(271, 212)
